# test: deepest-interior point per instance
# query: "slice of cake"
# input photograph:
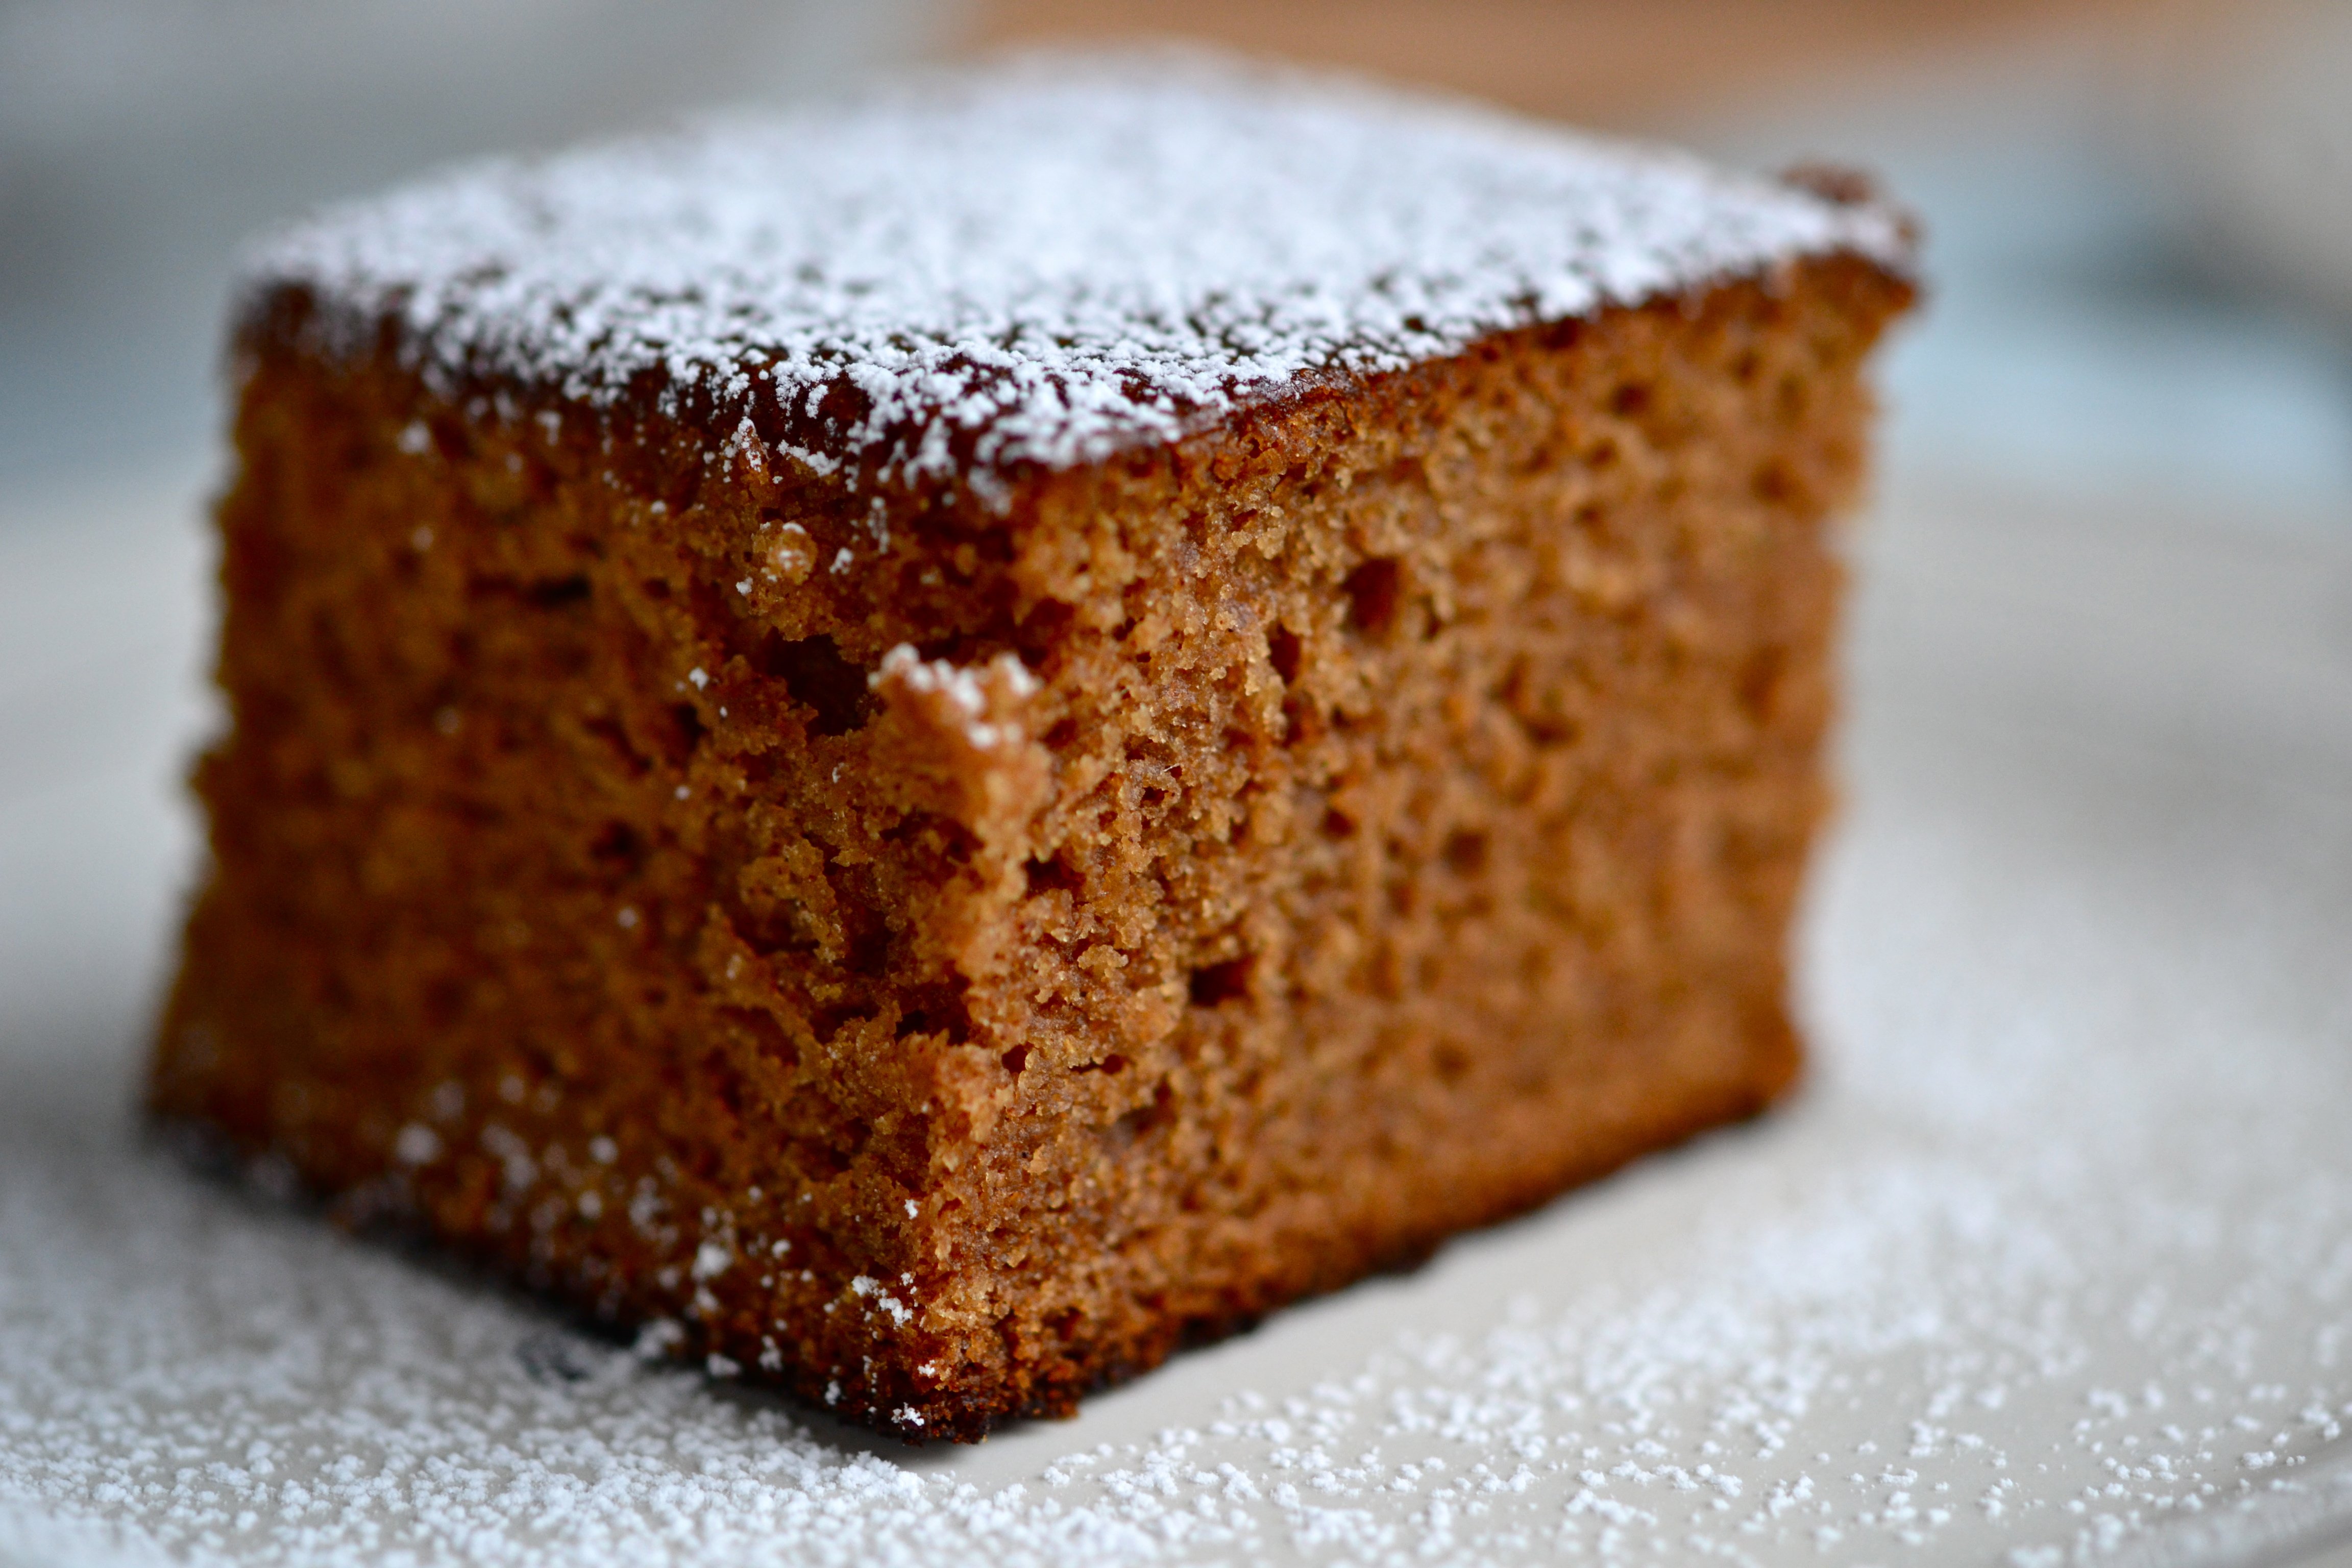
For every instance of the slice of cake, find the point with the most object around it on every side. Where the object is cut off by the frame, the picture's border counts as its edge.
(935, 746)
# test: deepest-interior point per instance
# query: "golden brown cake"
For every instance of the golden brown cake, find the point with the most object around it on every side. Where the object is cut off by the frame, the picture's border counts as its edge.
(933, 747)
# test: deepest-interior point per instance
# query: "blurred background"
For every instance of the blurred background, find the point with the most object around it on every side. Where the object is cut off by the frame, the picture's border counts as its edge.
(2141, 214)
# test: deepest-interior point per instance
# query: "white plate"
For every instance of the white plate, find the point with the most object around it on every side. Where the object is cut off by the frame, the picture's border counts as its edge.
(2052, 1259)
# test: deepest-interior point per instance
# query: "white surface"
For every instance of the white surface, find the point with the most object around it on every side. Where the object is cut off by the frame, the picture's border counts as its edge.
(2053, 1258)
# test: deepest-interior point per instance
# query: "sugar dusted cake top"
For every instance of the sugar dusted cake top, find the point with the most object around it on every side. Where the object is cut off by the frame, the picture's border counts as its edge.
(1042, 262)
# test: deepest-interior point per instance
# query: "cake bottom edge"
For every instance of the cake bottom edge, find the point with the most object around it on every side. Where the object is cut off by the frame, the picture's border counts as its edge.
(1054, 1389)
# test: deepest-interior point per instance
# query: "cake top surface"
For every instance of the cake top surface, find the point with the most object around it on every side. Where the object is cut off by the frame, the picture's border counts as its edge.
(1039, 262)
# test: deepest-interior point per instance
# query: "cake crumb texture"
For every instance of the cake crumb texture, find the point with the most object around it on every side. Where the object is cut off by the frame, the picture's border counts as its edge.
(2035, 1273)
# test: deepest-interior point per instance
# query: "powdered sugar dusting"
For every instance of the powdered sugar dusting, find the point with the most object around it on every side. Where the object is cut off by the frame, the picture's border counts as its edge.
(2052, 1263)
(1040, 263)
(970, 694)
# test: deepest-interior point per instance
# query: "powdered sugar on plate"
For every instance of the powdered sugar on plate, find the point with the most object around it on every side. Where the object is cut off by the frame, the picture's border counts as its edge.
(2051, 1262)
(1038, 263)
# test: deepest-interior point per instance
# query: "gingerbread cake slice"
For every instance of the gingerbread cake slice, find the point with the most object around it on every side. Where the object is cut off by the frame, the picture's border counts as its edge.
(934, 746)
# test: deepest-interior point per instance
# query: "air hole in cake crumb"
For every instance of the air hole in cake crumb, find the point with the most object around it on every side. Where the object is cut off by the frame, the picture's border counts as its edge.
(1759, 683)
(1602, 456)
(819, 679)
(1298, 721)
(689, 727)
(1056, 875)
(617, 740)
(1123, 1133)
(1772, 485)
(759, 1029)
(445, 1000)
(1062, 736)
(1467, 853)
(820, 1159)
(1015, 1060)
(1217, 983)
(1630, 401)
(936, 833)
(836, 1023)
(1113, 1065)
(943, 1015)
(555, 592)
(618, 845)
(1041, 630)
(1450, 1061)
(1544, 730)
(1371, 589)
(1282, 649)
(869, 952)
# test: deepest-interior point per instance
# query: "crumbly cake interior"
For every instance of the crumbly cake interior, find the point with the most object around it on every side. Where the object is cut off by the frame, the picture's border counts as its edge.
(944, 967)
